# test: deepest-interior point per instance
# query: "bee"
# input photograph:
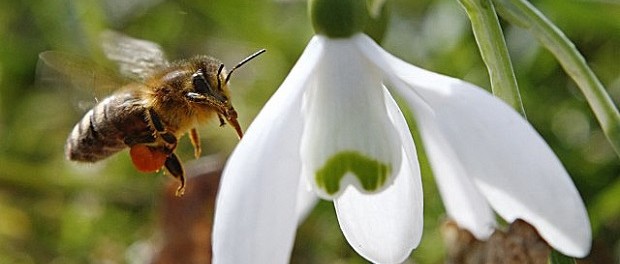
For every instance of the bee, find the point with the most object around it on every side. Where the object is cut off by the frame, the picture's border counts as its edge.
(148, 115)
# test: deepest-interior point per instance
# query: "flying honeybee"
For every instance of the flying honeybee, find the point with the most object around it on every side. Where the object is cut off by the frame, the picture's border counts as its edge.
(162, 102)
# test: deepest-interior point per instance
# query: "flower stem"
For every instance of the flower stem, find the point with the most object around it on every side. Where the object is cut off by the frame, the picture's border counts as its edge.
(493, 50)
(522, 13)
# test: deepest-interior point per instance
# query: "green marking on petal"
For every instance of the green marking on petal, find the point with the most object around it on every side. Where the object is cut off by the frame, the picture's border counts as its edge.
(371, 173)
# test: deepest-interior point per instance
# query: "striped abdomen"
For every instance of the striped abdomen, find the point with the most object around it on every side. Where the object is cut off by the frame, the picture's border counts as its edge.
(102, 131)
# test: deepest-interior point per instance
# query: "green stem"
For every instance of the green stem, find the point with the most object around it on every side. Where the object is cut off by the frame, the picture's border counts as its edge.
(490, 39)
(523, 14)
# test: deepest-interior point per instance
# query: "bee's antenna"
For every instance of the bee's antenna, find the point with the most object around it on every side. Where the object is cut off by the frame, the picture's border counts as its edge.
(219, 80)
(243, 62)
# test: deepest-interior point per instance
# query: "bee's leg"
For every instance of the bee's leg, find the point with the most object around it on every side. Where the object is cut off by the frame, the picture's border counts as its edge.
(174, 167)
(172, 163)
(195, 139)
(155, 120)
(222, 121)
(156, 123)
(170, 139)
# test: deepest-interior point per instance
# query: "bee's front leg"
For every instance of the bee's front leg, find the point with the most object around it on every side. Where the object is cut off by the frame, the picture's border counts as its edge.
(195, 139)
(221, 118)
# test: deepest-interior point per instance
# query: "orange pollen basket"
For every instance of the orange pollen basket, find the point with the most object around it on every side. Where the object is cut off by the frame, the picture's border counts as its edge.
(146, 159)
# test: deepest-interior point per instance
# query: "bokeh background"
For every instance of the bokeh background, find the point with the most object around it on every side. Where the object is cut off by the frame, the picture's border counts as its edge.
(55, 211)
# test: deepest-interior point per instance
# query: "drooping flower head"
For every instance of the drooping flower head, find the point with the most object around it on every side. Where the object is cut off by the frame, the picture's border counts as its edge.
(333, 130)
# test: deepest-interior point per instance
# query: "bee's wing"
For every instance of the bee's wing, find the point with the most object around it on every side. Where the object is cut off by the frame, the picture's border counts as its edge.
(80, 79)
(136, 58)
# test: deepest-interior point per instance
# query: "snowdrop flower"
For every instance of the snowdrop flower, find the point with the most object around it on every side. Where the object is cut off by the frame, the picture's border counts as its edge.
(333, 130)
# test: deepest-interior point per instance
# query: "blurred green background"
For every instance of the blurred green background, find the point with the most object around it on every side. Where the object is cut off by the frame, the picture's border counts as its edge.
(54, 211)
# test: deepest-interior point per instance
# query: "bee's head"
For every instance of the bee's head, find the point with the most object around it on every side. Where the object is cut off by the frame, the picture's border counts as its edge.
(209, 87)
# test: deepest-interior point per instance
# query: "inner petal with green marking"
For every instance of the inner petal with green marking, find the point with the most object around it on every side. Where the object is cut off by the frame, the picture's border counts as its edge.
(371, 174)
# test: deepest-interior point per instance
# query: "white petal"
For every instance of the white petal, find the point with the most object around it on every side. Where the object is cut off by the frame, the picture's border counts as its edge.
(306, 200)
(255, 217)
(346, 118)
(505, 157)
(463, 202)
(385, 227)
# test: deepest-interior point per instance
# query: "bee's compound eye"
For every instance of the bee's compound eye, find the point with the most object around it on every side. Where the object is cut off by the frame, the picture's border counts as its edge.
(200, 83)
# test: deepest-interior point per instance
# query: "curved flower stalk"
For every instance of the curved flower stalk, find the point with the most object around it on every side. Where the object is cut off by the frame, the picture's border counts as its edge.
(494, 52)
(523, 14)
(333, 130)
